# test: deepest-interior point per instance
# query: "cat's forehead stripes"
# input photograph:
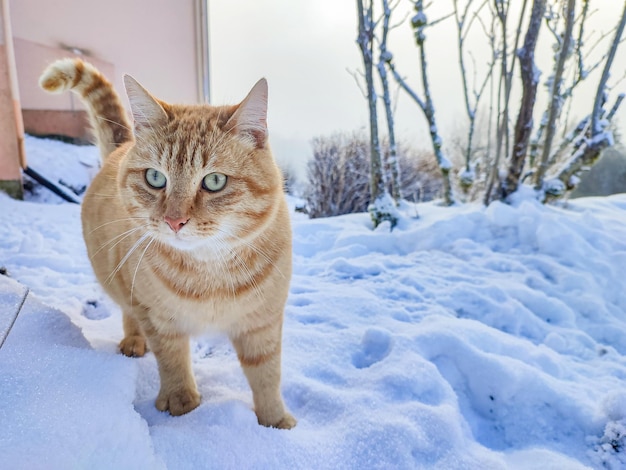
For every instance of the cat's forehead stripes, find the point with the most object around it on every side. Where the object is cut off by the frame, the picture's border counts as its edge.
(194, 137)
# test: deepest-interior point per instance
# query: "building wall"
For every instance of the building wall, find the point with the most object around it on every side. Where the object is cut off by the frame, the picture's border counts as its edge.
(45, 114)
(11, 155)
(9, 167)
(152, 40)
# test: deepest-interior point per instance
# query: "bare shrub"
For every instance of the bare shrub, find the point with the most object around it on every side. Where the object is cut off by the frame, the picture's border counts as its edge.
(290, 179)
(420, 175)
(338, 175)
(338, 179)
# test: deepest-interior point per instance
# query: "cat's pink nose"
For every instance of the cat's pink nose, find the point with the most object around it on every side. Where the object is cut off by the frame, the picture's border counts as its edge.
(176, 223)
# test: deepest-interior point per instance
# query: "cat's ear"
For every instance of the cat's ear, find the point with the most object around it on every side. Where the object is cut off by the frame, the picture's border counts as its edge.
(250, 118)
(147, 111)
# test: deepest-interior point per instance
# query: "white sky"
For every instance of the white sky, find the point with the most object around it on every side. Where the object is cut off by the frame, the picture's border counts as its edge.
(306, 49)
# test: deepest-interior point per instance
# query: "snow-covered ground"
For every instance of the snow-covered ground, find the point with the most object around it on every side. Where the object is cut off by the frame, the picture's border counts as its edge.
(467, 338)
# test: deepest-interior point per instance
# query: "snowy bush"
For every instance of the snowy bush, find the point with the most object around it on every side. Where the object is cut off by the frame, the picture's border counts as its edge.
(338, 175)
(420, 175)
(290, 180)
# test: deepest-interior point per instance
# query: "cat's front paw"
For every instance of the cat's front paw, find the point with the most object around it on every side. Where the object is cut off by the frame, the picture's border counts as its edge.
(178, 402)
(286, 422)
(133, 346)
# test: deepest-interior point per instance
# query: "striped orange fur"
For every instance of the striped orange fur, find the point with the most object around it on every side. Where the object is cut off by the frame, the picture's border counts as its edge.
(187, 229)
(106, 113)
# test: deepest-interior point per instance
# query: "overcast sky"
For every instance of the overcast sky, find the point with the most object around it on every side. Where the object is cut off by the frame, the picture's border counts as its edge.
(307, 49)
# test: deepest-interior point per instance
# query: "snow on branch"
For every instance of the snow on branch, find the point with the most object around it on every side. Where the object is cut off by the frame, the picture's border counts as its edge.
(464, 23)
(556, 98)
(600, 136)
(419, 22)
(392, 163)
(378, 186)
(524, 124)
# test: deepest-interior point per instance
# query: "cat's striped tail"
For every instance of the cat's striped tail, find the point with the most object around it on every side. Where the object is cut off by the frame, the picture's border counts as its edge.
(106, 113)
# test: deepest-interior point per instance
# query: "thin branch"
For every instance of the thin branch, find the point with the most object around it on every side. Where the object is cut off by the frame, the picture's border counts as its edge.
(365, 41)
(523, 126)
(385, 55)
(355, 75)
(597, 104)
(617, 104)
(555, 93)
(405, 86)
(579, 40)
(439, 20)
(600, 139)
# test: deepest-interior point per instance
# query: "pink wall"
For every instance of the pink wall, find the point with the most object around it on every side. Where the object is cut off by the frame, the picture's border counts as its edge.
(29, 57)
(153, 40)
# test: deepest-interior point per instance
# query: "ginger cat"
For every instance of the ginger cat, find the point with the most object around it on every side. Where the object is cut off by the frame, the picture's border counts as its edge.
(187, 228)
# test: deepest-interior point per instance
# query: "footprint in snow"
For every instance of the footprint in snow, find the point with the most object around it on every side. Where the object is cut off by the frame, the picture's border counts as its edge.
(95, 310)
(375, 346)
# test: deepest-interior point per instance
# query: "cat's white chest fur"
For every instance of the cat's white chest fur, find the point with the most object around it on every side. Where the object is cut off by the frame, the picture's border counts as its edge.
(218, 305)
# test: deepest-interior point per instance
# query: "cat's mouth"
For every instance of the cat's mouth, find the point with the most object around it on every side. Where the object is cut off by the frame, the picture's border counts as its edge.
(188, 238)
(189, 242)
(182, 242)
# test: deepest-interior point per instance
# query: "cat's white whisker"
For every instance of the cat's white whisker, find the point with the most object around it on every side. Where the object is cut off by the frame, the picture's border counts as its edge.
(100, 118)
(105, 196)
(126, 256)
(132, 285)
(124, 219)
(226, 256)
(266, 257)
(121, 237)
(225, 268)
(248, 275)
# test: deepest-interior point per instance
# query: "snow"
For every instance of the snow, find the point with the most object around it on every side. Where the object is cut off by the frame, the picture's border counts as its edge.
(386, 56)
(419, 20)
(602, 137)
(74, 166)
(467, 338)
(554, 187)
(467, 177)
(444, 163)
(536, 74)
(383, 209)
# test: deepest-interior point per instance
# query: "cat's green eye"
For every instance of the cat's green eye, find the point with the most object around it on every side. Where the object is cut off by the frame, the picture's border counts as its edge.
(214, 182)
(155, 178)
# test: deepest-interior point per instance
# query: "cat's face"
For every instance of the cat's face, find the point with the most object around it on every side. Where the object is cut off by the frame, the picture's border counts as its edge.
(199, 176)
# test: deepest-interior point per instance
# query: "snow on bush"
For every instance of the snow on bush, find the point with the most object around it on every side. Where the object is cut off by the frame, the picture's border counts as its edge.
(338, 175)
